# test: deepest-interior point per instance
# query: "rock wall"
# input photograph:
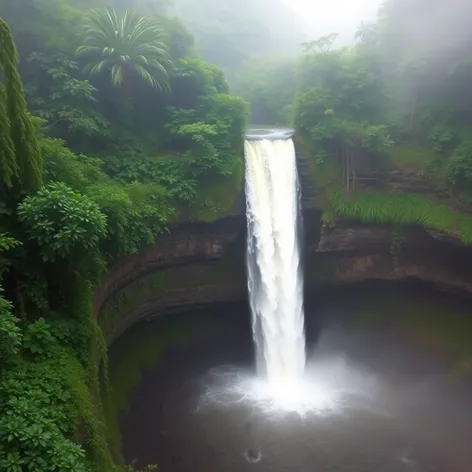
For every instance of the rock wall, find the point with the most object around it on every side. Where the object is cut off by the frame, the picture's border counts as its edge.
(199, 264)
(196, 264)
(350, 253)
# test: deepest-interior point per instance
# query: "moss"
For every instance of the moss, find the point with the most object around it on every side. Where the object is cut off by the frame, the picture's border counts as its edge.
(131, 356)
(442, 325)
(217, 198)
(230, 269)
(403, 209)
(89, 414)
(152, 285)
(140, 350)
(411, 157)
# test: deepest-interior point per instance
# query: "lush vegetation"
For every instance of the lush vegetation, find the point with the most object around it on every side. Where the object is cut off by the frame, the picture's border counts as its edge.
(110, 130)
(394, 106)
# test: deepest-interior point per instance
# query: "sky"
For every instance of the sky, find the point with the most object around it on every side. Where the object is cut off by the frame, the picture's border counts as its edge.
(334, 16)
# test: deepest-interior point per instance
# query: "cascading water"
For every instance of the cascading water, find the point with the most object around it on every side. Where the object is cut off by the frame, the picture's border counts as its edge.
(275, 279)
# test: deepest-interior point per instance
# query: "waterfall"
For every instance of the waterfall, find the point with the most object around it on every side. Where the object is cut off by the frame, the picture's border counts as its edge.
(275, 279)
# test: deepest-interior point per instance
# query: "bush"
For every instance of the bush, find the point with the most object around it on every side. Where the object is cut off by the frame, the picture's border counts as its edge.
(62, 221)
(10, 334)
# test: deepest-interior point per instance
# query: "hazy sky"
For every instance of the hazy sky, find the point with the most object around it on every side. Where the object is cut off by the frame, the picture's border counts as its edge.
(334, 16)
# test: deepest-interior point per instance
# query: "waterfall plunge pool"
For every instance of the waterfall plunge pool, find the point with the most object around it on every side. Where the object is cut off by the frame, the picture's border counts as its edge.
(387, 363)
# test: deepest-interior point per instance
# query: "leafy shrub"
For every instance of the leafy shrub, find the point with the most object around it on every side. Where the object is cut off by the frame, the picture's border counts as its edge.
(211, 136)
(40, 400)
(170, 172)
(61, 164)
(10, 333)
(136, 213)
(37, 414)
(6, 243)
(38, 338)
(59, 96)
(460, 165)
(442, 138)
(62, 221)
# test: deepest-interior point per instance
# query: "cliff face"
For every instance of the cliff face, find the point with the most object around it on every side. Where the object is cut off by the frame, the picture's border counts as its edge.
(195, 264)
(198, 264)
(351, 253)
(202, 263)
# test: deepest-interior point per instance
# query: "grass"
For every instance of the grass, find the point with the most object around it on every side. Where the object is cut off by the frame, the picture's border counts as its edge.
(411, 157)
(216, 198)
(403, 209)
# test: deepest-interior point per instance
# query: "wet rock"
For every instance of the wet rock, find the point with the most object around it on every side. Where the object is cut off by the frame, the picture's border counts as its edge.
(253, 455)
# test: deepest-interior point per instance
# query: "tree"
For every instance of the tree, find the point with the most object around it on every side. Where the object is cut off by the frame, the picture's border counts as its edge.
(340, 109)
(69, 104)
(20, 156)
(62, 221)
(269, 85)
(125, 45)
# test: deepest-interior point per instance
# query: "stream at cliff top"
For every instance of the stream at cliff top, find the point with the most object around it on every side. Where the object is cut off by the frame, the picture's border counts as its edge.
(391, 394)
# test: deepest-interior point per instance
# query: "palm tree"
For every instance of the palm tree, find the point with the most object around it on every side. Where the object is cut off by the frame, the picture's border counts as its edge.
(126, 44)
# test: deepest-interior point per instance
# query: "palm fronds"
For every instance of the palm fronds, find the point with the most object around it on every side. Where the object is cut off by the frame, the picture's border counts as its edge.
(124, 44)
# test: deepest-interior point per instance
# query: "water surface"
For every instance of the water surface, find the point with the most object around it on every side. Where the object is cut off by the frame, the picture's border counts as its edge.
(384, 393)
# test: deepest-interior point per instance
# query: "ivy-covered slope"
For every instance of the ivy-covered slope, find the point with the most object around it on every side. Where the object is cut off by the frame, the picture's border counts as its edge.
(105, 141)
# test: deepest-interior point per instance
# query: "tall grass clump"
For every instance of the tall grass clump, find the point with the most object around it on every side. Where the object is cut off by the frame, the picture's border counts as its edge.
(403, 209)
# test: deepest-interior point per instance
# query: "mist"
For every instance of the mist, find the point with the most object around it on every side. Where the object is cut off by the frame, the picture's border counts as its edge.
(343, 17)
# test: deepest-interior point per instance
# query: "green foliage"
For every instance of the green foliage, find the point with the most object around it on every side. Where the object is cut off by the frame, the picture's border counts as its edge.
(180, 39)
(339, 107)
(460, 165)
(193, 79)
(20, 157)
(37, 339)
(62, 221)
(170, 172)
(269, 85)
(6, 243)
(151, 158)
(43, 399)
(146, 343)
(442, 138)
(211, 135)
(136, 214)
(55, 93)
(76, 170)
(10, 333)
(124, 44)
(402, 210)
(411, 157)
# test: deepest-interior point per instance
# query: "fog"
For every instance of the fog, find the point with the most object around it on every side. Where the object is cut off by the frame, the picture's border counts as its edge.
(228, 32)
(343, 17)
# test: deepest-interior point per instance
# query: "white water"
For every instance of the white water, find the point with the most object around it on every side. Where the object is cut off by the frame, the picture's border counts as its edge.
(275, 278)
